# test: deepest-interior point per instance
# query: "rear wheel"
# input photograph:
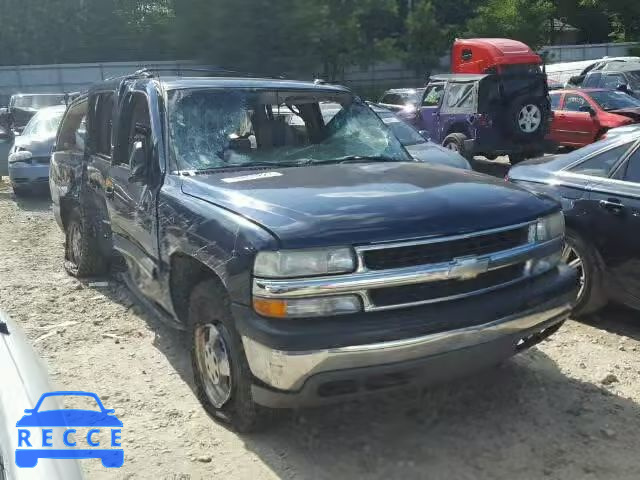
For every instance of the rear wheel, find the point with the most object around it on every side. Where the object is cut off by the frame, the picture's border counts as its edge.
(456, 143)
(581, 256)
(222, 376)
(83, 257)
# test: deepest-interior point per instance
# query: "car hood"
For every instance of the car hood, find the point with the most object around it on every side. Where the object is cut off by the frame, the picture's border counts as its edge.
(433, 153)
(364, 203)
(38, 146)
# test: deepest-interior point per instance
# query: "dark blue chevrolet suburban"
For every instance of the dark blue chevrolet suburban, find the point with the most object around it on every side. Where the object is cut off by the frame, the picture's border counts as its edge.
(310, 261)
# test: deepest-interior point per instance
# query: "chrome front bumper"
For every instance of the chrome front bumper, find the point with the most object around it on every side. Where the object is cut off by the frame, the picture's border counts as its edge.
(289, 370)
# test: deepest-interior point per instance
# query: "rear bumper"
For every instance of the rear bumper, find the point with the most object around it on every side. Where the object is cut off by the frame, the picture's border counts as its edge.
(299, 376)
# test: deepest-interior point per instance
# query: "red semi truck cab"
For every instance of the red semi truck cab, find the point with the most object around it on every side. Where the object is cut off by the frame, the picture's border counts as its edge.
(493, 55)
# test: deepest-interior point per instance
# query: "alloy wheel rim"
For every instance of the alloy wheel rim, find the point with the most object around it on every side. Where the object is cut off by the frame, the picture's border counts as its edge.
(571, 257)
(529, 118)
(213, 362)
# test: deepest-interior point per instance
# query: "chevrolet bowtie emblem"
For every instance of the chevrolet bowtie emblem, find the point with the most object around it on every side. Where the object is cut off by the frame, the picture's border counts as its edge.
(466, 268)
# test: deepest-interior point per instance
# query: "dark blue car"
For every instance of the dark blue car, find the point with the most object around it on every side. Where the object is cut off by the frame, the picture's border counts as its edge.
(599, 188)
(310, 257)
(69, 418)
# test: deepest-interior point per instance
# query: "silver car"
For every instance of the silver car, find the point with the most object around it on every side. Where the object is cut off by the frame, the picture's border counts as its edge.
(24, 380)
(29, 157)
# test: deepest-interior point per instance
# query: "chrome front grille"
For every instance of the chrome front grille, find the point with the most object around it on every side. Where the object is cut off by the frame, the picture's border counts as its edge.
(404, 274)
(444, 250)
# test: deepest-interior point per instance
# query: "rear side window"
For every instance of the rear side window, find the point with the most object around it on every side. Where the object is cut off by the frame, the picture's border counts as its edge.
(460, 97)
(73, 129)
(555, 101)
(103, 123)
(592, 80)
(602, 164)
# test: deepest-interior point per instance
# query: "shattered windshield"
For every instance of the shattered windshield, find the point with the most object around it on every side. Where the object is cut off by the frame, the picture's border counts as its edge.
(211, 129)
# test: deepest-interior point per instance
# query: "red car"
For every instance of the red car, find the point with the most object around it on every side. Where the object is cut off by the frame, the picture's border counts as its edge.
(582, 116)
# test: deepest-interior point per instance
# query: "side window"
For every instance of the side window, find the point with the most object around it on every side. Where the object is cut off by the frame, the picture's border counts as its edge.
(602, 164)
(572, 103)
(103, 123)
(592, 80)
(612, 81)
(135, 125)
(460, 97)
(73, 129)
(433, 95)
(632, 173)
(555, 100)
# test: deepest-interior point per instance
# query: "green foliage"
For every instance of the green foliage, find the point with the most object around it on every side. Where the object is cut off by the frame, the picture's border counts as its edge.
(525, 20)
(427, 40)
(294, 37)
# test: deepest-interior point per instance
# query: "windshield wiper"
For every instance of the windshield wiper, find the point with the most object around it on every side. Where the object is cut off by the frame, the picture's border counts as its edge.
(361, 159)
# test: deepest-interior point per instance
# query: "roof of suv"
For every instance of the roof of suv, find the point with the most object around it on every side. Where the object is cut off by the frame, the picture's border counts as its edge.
(178, 82)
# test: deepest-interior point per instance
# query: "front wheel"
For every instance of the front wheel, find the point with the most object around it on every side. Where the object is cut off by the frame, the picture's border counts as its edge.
(222, 376)
(456, 142)
(581, 256)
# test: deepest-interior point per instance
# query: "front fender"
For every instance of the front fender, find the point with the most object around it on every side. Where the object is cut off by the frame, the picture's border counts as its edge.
(223, 241)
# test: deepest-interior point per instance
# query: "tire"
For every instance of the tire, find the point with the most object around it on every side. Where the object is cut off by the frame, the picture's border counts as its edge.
(455, 142)
(83, 257)
(229, 399)
(20, 191)
(592, 296)
(526, 118)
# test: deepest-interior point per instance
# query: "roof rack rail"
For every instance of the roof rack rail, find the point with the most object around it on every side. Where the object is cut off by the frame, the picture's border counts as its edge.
(151, 72)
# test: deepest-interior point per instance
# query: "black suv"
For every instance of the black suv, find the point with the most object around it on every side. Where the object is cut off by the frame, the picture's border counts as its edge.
(485, 114)
(623, 76)
(312, 260)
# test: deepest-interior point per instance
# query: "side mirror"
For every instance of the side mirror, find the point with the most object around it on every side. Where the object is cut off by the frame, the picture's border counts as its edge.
(623, 87)
(588, 109)
(138, 162)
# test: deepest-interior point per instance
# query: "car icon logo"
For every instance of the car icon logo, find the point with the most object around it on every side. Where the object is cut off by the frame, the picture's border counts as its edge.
(32, 446)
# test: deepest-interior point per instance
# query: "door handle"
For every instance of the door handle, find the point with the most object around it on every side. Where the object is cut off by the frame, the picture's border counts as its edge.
(612, 204)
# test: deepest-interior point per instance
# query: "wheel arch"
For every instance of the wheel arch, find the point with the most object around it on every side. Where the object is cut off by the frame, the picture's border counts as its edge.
(185, 272)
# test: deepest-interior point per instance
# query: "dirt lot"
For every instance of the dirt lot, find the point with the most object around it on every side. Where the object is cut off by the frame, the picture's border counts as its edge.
(569, 409)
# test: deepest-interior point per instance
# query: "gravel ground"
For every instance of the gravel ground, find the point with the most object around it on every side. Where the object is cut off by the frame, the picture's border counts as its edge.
(568, 409)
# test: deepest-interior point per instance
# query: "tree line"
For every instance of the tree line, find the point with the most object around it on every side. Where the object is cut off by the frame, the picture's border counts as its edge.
(290, 36)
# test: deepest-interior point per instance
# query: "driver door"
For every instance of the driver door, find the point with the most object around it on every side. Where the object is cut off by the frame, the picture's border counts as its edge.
(131, 192)
(429, 108)
(581, 127)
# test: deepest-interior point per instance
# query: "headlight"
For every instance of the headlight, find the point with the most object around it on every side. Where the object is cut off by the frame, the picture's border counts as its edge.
(307, 307)
(547, 228)
(304, 263)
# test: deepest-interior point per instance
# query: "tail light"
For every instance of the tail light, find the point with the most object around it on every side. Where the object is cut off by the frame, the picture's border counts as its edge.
(483, 120)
